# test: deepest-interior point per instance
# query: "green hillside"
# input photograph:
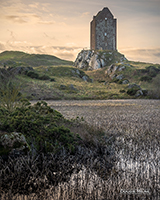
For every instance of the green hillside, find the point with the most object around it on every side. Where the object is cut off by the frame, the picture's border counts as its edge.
(17, 58)
(43, 77)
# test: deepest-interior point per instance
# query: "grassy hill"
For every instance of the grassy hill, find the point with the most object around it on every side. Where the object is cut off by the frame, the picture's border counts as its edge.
(17, 58)
(48, 77)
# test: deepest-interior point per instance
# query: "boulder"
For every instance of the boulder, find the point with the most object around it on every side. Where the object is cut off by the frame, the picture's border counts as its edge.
(80, 74)
(72, 87)
(86, 78)
(111, 69)
(130, 86)
(95, 62)
(92, 60)
(125, 81)
(63, 87)
(121, 68)
(114, 68)
(139, 93)
(119, 77)
(13, 144)
(134, 89)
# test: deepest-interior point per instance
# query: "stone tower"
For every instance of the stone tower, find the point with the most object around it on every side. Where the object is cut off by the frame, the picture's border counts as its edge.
(104, 31)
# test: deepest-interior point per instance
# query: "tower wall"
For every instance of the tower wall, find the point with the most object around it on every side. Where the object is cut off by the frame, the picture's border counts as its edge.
(103, 31)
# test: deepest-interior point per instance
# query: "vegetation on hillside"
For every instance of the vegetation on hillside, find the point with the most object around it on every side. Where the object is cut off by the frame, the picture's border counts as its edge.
(73, 159)
(125, 168)
(18, 58)
(55, 151)
(44, 81)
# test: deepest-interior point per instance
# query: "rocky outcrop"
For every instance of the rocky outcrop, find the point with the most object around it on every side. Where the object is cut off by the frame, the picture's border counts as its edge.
(13, 144)
(113, 69)
(80, 74)
(136, 90)
(92, 60)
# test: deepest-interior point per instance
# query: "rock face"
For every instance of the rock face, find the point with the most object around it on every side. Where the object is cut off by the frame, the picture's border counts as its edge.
(80, 74)
(13, 143)
(91, 60)
(112, 69)
(136, 90)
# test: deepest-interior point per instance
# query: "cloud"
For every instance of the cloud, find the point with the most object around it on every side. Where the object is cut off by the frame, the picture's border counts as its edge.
(17, 11)
(27, 18)
(46, 22)
(145, 55)
(63, 52)
(67, 53)
(85, 14)
(2, 47)
(49, 37)
(15, 18)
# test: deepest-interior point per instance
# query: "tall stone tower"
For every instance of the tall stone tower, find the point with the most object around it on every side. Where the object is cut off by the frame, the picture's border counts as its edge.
(104, 31)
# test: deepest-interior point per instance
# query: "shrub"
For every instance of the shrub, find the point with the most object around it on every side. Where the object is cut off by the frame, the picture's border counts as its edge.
(52, 80)
(44, 77)
(145, 92)
(154, 91)
(122, 91)
(41, 125)
(146, 78)
(33, 74)
(142, 70)
(120, 81)
(9, 96)
(132, 91)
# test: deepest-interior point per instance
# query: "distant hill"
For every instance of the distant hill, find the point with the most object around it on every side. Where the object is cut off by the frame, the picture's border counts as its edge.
(18, 58)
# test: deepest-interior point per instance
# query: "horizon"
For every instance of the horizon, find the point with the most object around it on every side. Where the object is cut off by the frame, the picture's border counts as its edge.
(62, 28)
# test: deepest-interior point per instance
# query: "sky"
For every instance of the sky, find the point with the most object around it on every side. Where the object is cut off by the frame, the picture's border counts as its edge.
(62, 27)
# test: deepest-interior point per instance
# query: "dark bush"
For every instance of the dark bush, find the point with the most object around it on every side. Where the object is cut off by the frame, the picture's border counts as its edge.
(122, 91)
(115, 80)
(132, 91)
(44, 77)
(33, 74)
(120, 81)
(41, 125)
(152, 71)
(52, 80)
(146, 78)
(145, 92)
(143, 70)
(101, 81)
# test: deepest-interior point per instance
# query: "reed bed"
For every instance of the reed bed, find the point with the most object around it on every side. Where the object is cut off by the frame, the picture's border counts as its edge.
(127, 167)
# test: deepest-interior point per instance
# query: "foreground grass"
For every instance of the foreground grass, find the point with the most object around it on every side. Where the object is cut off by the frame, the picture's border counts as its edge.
(131, 132)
